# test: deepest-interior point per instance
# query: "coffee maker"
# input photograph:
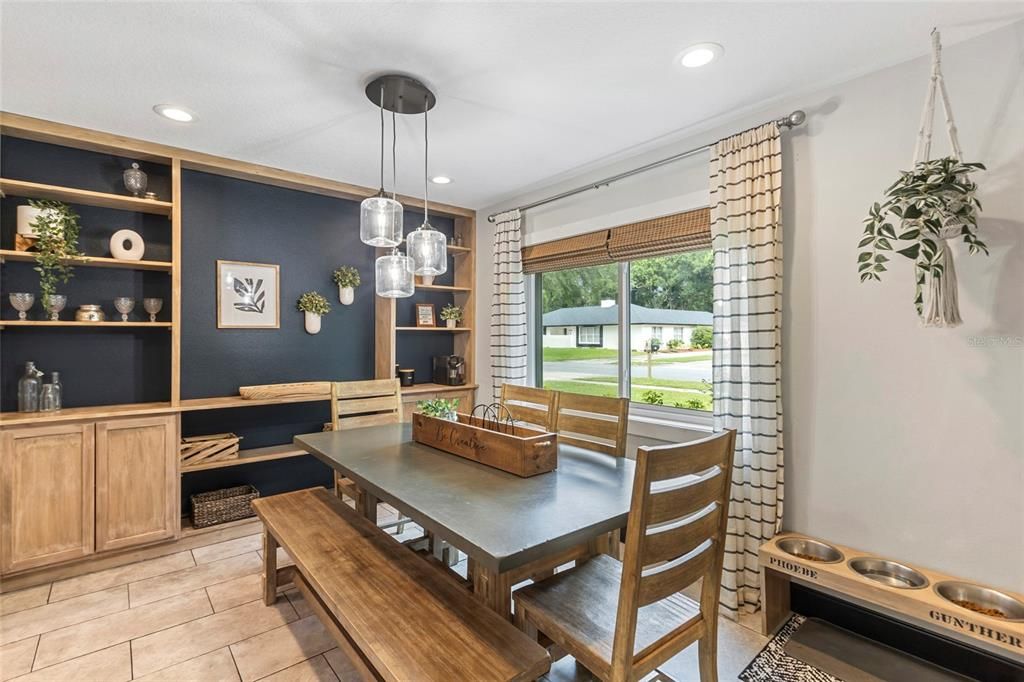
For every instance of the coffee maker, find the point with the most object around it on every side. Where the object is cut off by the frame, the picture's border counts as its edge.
(449, 370)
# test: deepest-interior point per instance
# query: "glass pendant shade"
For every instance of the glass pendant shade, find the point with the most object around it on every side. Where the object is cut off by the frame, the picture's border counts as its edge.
(428, 249)
(380, 221)
(394, 276)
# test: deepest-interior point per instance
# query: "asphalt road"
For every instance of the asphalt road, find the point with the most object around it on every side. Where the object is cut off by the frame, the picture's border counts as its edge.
(573, 369)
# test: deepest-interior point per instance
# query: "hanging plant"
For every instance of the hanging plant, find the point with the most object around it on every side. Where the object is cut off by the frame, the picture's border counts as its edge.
(57, 228)
(931, 203)
(347, 279)
(314, 306)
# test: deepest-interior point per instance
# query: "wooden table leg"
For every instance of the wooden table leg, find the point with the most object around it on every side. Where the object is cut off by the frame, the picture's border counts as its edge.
(368, 505)
(494, 589)
(269, 568)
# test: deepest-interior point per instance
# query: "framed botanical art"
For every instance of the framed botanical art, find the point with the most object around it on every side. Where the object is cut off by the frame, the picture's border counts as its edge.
(248, 295)
(425, 315)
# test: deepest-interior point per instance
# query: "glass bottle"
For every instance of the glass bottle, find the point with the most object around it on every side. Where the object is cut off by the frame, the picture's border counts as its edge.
(58, 389)
(47, 398)
(28, 389)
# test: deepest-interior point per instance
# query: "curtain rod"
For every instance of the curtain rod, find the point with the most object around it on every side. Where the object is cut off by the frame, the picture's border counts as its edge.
(793, 120)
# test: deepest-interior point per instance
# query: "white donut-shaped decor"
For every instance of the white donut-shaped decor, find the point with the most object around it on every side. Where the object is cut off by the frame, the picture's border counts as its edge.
(135, 246)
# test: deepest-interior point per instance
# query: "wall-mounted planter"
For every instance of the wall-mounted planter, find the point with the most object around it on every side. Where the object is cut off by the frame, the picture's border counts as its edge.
(312, 323)
(451, 324)
(346, 295)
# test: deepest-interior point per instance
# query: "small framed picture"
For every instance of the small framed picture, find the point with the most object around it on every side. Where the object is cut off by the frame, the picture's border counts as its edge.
(425, 315)
(248, 295)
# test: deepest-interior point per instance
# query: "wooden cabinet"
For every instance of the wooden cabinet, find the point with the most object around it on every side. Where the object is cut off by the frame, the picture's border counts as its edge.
(136, 481)
(46, 495)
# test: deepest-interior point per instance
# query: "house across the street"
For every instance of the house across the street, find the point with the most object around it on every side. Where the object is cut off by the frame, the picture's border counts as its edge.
(596, 326)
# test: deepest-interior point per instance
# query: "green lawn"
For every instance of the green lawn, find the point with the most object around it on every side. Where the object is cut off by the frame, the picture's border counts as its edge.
(563, 354)
(610, 390)
(679, 384)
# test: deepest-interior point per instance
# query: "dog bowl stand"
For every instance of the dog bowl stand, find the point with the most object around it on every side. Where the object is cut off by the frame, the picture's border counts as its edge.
(921, 607)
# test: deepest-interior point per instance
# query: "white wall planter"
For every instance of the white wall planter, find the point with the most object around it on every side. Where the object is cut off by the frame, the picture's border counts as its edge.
(312, 323)
(346, 295)
(451, 324)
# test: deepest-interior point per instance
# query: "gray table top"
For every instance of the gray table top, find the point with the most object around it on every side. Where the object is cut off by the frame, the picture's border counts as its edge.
(501, 520)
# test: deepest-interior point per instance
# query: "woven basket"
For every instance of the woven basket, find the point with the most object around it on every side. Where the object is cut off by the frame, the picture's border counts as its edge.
(221, 506)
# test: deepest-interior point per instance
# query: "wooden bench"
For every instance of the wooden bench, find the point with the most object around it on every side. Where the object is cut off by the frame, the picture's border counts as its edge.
(394, 615)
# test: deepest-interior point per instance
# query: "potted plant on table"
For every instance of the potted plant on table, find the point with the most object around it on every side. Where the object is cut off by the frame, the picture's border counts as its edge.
(451, 314)
(440, 408)
(347, 279)
(56, 226)
(315, 307)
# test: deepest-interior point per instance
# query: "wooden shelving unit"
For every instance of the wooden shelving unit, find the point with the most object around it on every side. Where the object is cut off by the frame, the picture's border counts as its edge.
(443, 287)
(420, 389)
(90, 261)
(250, 457)
(37, 190)
(84, 325)
(450, 330)
(232, 401)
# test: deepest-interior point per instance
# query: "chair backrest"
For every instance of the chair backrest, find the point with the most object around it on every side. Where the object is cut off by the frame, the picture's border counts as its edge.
(365, 403)
(593, 422)
(675, 536)
(536, 407)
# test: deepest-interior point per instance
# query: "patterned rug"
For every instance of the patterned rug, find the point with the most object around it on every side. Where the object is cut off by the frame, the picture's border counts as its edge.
(774, 665)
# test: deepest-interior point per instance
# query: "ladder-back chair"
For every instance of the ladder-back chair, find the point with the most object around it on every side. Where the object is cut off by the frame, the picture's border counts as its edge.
(535, 407)
(593, 422)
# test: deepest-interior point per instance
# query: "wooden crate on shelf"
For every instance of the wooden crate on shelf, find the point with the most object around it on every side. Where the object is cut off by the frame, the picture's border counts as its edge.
(305, 389)
(204, 449)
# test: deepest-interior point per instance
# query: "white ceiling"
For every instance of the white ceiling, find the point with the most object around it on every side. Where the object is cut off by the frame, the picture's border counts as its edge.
(526, 91)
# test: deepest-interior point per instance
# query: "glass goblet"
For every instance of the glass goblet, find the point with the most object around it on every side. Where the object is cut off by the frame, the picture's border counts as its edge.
(124, 305)
(153, 306)
(57, 303)
(22, 302)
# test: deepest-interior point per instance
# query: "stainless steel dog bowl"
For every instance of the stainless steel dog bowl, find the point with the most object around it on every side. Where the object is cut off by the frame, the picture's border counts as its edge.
(810, 550)
(888, 572)
(953, 591)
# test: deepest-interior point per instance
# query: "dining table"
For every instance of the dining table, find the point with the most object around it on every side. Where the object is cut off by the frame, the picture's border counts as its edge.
(510, 527)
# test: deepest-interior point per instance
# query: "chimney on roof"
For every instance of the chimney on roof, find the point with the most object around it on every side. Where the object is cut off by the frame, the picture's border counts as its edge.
(607, 302)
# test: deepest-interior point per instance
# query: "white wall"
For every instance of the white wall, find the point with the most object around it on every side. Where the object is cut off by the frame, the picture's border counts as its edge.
(899, 439)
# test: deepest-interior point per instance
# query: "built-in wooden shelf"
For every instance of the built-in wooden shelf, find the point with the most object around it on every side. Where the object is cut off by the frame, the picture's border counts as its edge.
(90, 413)
(231, 401)
(89, 261)
(82, 325)
(435, 388)
(87, 197)
(442, 287)
(433, 329)
(250, 456)
(458, 250)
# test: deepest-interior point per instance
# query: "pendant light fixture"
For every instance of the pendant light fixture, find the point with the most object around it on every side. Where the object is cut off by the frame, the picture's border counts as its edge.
(393, 273)
(426, 246)
(380, 216)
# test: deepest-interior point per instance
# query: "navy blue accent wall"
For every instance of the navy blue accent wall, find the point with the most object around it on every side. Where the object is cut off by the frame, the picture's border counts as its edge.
(307, 235)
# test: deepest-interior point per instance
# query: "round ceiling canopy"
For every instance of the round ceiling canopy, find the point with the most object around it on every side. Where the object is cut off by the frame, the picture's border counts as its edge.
(402, 94)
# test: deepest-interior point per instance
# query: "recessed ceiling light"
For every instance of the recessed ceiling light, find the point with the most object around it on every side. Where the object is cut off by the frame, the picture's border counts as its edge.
(175, 113)
(700, 54)
(440, 180)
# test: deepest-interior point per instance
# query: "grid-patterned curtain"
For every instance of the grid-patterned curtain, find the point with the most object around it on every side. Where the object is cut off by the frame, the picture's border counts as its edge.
(508, 305)
(746, 237)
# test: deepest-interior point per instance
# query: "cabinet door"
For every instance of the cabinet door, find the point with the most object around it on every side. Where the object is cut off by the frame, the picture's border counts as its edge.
(136, 481)
(46, 485)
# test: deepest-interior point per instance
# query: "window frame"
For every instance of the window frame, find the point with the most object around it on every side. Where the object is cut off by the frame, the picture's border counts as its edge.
(656, 415)
(579, 336)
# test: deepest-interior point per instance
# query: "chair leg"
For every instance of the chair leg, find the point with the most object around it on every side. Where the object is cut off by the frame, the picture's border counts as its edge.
(707, 655)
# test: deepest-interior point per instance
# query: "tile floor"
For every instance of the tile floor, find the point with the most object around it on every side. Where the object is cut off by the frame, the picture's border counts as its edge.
(198, 615)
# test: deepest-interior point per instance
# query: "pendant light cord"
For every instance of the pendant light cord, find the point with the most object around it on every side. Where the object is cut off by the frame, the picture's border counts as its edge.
(382, 140)
(426, 159)
(394, 158)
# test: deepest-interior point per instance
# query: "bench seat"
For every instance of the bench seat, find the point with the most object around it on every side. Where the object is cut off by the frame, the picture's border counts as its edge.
(385, 605)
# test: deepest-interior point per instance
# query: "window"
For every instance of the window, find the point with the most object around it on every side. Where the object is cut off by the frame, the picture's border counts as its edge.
(670, 294)
(588, 336)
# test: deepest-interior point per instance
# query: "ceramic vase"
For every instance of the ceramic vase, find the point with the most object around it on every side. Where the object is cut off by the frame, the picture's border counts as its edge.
(346, 295)
(312, 323)
(451, 324)
(426, 280)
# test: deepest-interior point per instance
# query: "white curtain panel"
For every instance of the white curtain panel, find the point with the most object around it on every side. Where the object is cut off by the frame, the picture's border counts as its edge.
(508, 305)
(746, 234)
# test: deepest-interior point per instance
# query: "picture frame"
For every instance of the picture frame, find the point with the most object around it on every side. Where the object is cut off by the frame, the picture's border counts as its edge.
(425, 315)
(248, 295)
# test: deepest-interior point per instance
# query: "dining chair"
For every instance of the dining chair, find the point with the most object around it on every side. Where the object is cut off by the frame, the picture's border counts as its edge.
(622, 620)
(593, 422)
(364, 403)
(535, 407)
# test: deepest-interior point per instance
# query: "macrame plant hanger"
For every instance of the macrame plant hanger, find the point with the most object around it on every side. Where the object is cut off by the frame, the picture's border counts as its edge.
(942, 308)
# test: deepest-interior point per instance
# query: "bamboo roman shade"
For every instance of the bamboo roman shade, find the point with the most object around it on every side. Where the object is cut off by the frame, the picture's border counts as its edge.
(581, 251)
(686, 231)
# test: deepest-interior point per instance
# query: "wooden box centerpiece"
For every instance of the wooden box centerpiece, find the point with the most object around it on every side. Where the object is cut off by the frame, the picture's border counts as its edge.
(516, 449)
